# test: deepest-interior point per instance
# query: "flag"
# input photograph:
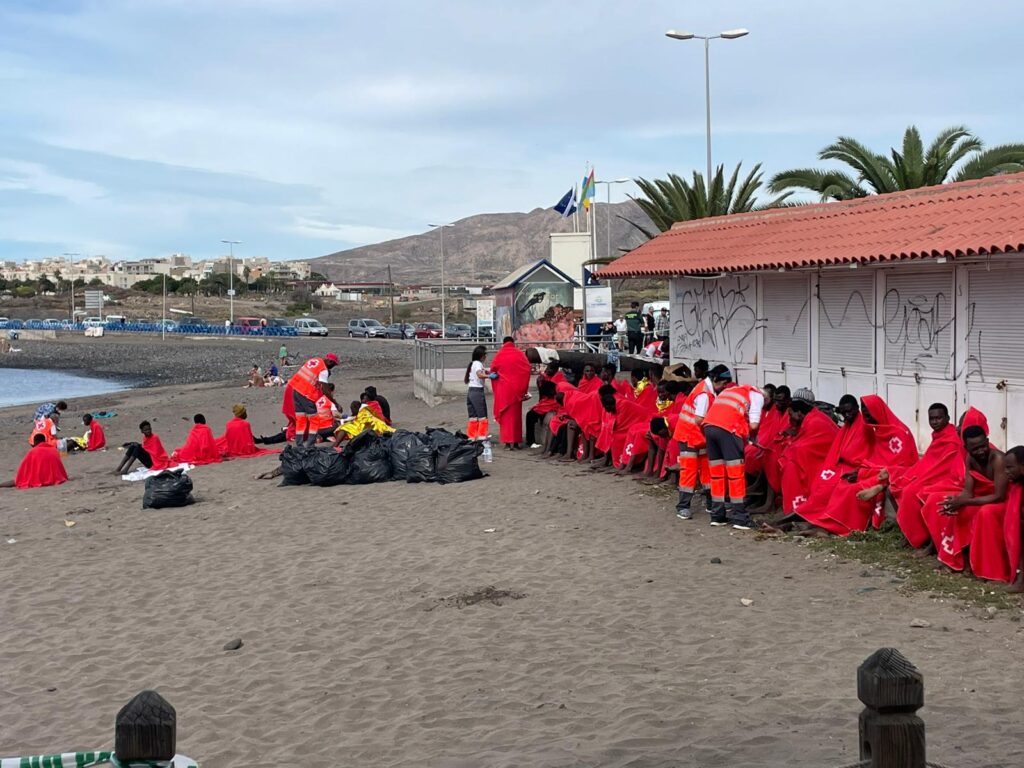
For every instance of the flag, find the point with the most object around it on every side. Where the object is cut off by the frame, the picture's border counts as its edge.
(567, 205)
(589, 278)
(587, 194)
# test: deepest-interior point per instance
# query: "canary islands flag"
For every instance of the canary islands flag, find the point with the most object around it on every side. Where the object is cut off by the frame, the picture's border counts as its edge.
(587, 194)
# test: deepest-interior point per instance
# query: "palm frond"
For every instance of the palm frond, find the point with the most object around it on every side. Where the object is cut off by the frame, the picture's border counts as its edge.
(828, 185)
(1005, 158)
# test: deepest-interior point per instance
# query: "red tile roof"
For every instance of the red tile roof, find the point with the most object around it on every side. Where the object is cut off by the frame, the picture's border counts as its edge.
(953, 220)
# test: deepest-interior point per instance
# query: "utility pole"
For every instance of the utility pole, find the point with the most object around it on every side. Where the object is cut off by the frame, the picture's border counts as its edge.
(391, 295)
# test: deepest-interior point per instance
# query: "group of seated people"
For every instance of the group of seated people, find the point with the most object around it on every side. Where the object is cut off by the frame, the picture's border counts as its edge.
(269, 376)
(811, 468)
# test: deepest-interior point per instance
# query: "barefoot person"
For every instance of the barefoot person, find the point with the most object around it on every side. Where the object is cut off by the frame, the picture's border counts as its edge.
(150, 453)
(1014, 527)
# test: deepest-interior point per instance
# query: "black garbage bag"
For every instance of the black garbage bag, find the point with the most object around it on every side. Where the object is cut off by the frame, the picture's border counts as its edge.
(168, 489)
(420, 466)
(369, 459)
(458, 463)
(402, 444)
(293, 465)
(437, 437)
(326, 467)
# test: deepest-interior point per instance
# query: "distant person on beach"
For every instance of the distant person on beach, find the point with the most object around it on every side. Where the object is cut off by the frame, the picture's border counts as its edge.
(255, 378)
(49, 409)
(150, 453)
(282, 355)
(303, 390)
(200, 446)
(47, 426)
(40, 467)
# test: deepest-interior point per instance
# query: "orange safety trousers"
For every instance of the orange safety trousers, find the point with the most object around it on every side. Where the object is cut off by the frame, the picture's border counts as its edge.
(693, 468)
(728, 481)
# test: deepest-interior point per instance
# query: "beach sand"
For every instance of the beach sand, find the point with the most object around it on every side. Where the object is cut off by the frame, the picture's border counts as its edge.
(621, 643)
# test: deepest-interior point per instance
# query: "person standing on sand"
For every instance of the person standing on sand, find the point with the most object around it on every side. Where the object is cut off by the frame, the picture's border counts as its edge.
(282, 356)
(476, 395)
(510, 381)
(303, 390)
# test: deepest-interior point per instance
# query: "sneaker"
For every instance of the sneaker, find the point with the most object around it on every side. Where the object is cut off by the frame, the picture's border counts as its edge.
(535, 446)
(744, 525)
(719, 522)
(684, 514)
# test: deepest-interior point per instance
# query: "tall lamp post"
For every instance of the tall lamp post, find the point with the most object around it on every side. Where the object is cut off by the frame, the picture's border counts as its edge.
(231, 277)
(729, 34)
(71, 260)
(441, 228)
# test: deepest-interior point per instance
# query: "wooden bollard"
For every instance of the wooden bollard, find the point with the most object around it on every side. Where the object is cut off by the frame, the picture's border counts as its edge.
(146, 729)
(892, 690)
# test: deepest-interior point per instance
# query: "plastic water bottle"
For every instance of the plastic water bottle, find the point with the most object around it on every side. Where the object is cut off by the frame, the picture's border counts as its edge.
(488, 453)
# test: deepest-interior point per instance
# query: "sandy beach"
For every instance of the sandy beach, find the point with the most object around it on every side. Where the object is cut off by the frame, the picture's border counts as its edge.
(619, 641)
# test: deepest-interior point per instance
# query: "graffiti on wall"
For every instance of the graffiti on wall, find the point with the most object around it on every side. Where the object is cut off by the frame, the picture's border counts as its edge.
(918, 328)
(715, 319)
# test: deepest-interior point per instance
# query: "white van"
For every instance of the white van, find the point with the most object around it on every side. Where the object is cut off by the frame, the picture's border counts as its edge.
(308, 326)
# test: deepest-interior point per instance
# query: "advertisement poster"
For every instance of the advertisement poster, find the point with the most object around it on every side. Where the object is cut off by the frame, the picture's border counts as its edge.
(544, 313)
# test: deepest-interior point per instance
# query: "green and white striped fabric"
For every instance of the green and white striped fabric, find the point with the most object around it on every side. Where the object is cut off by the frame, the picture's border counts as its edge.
(86, 759)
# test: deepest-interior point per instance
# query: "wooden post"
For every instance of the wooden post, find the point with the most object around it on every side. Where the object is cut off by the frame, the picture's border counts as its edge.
(892, 690)
(145, 729)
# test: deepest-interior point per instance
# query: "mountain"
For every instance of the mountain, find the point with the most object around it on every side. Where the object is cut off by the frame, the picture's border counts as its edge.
(479, 249)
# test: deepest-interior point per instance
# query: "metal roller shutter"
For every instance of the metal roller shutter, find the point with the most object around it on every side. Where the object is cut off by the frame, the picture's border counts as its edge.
(917, 318)
(995, 324)
(787, 322)
(846, 320)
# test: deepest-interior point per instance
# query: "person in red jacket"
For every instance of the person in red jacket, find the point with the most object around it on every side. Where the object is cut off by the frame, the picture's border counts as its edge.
(149, 453)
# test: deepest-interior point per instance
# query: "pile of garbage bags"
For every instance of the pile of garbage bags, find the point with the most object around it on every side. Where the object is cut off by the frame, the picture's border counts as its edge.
(434, 456)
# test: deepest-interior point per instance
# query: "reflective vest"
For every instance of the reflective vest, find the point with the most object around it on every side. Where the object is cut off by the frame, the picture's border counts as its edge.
(324, 418)
(687, 429)
(43, 426)
(306, 380)
(730, 409)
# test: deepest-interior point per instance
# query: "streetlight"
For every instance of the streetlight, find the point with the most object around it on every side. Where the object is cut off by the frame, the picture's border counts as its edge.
(71, 260)
(441, 228)
(231, 276)
(608, 215)
(729, 34)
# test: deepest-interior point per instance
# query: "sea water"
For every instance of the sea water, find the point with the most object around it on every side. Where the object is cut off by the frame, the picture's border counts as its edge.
(21, 385)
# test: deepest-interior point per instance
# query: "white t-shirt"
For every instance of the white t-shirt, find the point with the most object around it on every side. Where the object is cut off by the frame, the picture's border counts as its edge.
(756, 407)
(702, 402)
(475, 382)
(620, 326)
(324, 375)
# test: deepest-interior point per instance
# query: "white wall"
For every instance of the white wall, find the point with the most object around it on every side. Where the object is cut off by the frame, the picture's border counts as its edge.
(914, 333)
(569, 250)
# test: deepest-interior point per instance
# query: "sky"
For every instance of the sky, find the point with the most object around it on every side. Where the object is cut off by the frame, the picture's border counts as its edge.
(139, 128)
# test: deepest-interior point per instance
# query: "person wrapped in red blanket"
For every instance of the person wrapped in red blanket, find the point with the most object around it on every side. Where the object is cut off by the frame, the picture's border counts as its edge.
(940, 470)
(1013, 529)
(40, 467)
(580, 415)
(589, 380)
(150, 452)
(511, 381)
(200, 446)
(97, 439)
(237, 442)
(802, 460)
(974, 518)
(537, 416)
(621, 415)
(874, 441)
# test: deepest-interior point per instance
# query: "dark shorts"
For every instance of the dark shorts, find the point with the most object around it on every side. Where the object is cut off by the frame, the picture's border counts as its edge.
(140, 454)
(303, 404)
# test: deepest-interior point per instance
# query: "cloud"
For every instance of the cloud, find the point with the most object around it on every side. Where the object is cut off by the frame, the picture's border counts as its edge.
(16, 175)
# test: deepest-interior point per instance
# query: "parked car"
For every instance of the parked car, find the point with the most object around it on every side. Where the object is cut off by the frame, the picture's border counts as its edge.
(199, 322)
(168, 325)
(309, 326)
(428, 331)
(280, 322)
(52, 321)
(366, 327)
(459, 331)
(248, 324)
(400, 331)
(93, 322)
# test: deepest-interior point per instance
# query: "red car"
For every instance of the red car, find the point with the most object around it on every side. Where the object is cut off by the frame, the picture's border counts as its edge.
(427, 331)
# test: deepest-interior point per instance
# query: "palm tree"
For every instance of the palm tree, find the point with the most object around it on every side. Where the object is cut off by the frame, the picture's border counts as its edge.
(955, 155)
(666, 201)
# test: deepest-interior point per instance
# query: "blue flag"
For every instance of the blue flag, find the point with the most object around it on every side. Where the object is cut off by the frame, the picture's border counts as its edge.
(567, 205)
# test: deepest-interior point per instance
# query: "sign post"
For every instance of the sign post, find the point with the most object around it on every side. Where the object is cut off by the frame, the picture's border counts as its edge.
(484, 315)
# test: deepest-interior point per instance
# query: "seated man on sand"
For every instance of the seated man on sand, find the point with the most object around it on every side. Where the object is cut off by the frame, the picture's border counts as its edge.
(255, 378)
(149, 453)
(237, 441)
(536, 416)
(378, 403)
(94, 438)
(200, 446)
(40, 467)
